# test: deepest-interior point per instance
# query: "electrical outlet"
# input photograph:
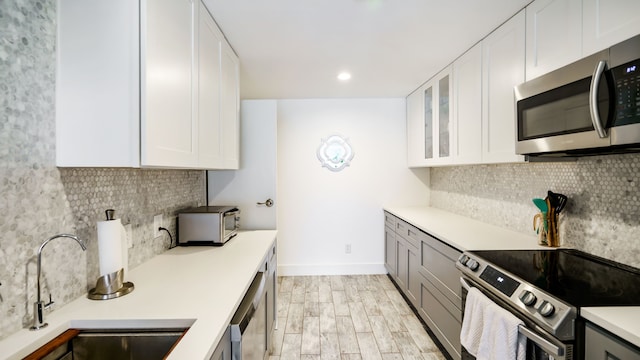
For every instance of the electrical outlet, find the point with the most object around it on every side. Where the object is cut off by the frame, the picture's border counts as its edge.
(157, 223)
(347, 249)
(127, 232)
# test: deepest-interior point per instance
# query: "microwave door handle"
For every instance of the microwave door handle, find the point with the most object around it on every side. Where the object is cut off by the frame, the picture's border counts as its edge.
(593, 99)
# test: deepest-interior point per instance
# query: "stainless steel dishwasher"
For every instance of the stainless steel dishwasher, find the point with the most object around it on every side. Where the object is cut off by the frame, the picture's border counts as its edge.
(249, 324)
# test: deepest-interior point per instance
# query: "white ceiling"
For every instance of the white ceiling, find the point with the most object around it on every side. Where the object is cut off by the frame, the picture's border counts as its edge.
(295, 48)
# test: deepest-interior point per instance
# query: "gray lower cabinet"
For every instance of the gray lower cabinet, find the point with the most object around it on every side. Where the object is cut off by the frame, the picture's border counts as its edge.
(390, 253)
(441, 303)
(602, 345)
(425, 271)
(223, 350)
(272, 297)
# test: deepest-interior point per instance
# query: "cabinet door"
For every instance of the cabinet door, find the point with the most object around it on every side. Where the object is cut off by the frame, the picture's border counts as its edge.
(467, 110)
(415, 129)
(602, 345)
(168, 123)
(97, 84)
(230, 107)
(209, 135)
(606, 23)
(390, 255)
(430, 103)
(554, 35)
(503, 53)
(413, 275)
(445, 137)
(402, 262)
(439, 136)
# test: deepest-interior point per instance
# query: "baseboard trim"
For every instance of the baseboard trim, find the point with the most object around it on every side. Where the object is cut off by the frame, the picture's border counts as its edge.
(331, 269)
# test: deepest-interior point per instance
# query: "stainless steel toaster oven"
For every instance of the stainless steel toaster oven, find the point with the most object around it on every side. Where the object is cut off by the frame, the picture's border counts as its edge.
(208, 225)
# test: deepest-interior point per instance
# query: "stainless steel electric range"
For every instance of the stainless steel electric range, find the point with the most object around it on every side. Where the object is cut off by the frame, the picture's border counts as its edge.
(546, 289)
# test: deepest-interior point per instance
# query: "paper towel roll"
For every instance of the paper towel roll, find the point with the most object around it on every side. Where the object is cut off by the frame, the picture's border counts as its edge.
(110, 246)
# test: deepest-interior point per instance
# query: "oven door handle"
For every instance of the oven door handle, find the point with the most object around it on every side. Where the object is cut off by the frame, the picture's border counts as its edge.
(465, 284)
(546, 345)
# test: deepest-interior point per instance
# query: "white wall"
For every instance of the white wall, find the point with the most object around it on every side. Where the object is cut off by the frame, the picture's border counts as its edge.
(321, 211)
(255, 181)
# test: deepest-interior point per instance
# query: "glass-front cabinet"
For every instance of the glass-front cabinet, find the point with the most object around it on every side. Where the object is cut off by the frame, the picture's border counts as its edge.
(429, 127)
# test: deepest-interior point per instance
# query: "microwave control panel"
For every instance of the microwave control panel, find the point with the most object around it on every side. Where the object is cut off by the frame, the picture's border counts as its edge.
(627, 89)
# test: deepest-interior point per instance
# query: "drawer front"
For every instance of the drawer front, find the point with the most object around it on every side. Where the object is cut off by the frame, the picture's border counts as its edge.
(453, 295)
(408, 232)
(443, 317)
(439, 260)
(389, 220)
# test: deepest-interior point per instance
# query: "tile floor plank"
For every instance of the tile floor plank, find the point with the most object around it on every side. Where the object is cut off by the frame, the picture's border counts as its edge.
(327, 318)
(311, 336)
(368, 347)
(340, 303)
(294, 319)
(385, 341)
(359, 317)
(329, 346)
(347, 335)
(291, 347)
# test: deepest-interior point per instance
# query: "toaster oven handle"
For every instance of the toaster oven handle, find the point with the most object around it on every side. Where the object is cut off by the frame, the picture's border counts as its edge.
(593, 99)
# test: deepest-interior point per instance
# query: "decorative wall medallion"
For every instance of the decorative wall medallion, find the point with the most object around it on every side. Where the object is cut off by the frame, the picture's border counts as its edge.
(335, 152)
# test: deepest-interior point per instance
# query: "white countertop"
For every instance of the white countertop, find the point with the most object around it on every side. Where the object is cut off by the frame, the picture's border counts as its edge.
(195, 287)
(464, 233)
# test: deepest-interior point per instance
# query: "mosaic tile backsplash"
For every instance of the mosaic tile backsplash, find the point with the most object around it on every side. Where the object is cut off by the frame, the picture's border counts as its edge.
(602, 216)
(38, 200)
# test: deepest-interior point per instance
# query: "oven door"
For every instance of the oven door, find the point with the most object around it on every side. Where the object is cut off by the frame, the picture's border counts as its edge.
(231, 224)
(540, 344)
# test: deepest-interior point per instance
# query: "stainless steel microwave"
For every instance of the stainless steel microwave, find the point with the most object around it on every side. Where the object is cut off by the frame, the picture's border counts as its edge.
(589, 107)
(208, 225)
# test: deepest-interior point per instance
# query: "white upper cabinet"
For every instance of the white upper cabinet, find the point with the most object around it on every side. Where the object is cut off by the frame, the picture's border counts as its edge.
(210, 41)
(218, 98)
(503, 58)
(429, 122)
(139, 85)
(430, 126)
(560, 32)
(415, 129)
(230, 108)
(609, 22)
(554, 29)
(169, 122)
(467, 106)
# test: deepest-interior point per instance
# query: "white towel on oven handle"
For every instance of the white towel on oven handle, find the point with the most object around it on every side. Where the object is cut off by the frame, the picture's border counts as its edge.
(490, 332)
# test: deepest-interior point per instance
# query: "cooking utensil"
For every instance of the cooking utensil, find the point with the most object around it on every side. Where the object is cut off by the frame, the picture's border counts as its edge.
(557, 201)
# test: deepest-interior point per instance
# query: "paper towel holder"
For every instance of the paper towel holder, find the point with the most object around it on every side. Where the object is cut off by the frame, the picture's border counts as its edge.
(110, 286)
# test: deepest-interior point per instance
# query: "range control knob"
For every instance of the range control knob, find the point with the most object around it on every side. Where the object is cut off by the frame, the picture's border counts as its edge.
(528, 298)
(463, 259)
(472, 264)
(546, 309)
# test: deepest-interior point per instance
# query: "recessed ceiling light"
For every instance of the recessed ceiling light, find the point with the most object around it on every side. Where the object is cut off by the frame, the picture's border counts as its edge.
(344, 76)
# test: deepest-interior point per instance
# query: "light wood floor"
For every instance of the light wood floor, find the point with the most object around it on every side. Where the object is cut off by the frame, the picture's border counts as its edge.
(347, 318)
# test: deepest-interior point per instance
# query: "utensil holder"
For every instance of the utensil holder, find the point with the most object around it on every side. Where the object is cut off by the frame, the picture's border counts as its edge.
(546, 225)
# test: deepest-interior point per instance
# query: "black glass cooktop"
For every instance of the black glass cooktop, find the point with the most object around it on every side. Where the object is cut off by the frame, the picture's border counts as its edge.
(577, 278)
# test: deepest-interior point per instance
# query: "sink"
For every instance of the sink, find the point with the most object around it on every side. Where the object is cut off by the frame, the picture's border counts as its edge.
(99, 344)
